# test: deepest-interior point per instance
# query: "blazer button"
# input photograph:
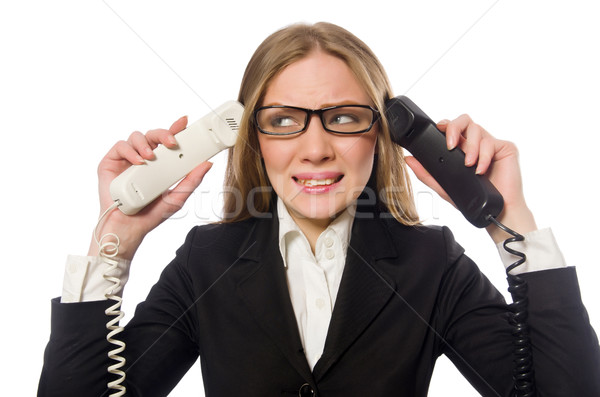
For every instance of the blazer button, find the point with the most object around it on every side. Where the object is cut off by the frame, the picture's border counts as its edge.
(306, 391)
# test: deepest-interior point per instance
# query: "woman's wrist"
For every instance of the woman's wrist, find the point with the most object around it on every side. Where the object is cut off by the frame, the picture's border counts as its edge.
(520, 219)
(128, 239)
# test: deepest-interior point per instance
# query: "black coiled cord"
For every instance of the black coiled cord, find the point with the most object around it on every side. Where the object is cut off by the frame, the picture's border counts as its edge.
(523, 373)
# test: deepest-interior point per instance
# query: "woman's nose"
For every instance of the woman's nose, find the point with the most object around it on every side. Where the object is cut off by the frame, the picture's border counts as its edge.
(316, 143)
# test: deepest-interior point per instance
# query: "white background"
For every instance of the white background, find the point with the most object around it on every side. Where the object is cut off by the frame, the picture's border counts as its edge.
(76, 76)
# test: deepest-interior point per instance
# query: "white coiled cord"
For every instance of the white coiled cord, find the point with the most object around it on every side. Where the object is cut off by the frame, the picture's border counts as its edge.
(108, 249)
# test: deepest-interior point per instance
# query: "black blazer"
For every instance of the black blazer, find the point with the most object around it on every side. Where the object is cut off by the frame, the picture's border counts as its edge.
(407, 295)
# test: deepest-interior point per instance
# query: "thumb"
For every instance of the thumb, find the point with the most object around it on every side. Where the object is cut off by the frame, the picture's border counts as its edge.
(174, 199)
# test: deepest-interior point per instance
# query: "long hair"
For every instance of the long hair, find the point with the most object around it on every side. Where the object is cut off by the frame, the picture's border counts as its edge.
(246, 180)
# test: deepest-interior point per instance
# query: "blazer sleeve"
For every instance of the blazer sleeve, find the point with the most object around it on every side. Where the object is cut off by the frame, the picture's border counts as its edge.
(160, 342)
(478, 338)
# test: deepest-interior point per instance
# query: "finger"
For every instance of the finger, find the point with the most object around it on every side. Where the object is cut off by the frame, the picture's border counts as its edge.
(179, 125)
(122, 150)
(455, 136)
(454, 130)
(139, 142)
(467, 135)
(473, 135)
(442, 124)
(487, 150)
(165, 137)
(161, 136)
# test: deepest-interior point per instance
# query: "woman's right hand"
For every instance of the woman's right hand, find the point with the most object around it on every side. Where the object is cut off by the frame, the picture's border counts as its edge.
(132, 229)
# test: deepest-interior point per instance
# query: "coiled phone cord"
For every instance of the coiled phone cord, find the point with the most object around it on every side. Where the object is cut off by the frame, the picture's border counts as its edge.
(108, 249)
(523, 373)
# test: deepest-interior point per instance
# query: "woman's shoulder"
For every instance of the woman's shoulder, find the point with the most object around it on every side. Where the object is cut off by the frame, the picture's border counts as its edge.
(220, 233)
(419, 231)
(215, 243)
(422, 237)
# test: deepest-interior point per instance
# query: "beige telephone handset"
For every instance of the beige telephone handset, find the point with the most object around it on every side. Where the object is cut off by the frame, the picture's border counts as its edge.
(139, 185)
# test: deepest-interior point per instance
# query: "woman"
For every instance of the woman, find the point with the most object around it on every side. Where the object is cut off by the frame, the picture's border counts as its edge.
(326, 285)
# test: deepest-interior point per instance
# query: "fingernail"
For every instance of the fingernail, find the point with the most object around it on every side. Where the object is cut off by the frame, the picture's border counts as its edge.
(140, 159)
(171, 140)
(469, 160)
(451, 142)
(443, 122)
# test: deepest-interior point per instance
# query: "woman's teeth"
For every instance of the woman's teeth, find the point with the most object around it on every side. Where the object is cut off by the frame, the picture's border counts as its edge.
(318, 182)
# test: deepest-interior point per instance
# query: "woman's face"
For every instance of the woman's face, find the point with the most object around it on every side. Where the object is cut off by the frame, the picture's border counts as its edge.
(317, 174)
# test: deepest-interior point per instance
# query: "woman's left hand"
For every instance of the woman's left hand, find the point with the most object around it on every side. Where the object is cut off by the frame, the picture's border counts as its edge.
(497, 159)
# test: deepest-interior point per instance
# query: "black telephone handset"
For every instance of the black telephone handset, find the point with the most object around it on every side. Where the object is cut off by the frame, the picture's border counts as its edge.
(479, 201)
(474, 195)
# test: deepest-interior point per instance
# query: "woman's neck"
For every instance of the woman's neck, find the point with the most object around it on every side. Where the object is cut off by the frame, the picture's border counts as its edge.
(312, 228)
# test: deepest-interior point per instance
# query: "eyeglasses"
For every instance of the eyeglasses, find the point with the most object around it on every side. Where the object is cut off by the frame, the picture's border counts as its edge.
(288, 120)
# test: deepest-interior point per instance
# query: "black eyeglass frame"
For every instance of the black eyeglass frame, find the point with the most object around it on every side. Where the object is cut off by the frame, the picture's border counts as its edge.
(318, 112)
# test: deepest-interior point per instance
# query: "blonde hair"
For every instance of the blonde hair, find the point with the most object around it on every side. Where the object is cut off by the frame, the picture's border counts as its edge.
(246, 176)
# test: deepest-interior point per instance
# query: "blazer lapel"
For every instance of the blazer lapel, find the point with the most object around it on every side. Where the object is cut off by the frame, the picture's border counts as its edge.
(363, 290)
(265, 292)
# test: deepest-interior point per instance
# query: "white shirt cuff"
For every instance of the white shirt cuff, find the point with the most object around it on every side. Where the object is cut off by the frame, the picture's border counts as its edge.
(84, 278)
(541, 250)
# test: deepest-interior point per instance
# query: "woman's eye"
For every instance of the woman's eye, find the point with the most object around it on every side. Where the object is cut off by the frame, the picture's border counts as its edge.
(283, 121)
(343, 119)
